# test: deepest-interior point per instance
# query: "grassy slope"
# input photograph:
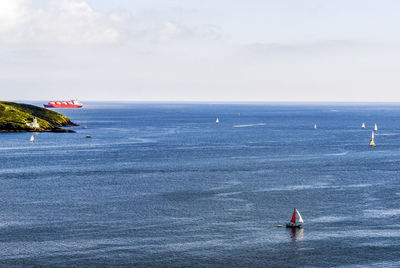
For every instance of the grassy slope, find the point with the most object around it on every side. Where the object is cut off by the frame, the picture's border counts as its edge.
(14, 116)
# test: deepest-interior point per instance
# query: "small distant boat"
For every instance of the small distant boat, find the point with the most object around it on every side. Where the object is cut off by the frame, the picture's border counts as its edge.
(295, 222)
(363, 125)
(372, 143)
(217, 121)
(84, 127)
(315, 126)
(375, 128)
(32, 138)
(88, 136)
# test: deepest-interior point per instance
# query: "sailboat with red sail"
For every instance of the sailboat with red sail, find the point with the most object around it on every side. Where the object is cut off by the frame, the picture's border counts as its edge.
(295, 222)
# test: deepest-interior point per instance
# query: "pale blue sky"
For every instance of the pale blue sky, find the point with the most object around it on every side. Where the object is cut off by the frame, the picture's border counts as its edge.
(182, 50)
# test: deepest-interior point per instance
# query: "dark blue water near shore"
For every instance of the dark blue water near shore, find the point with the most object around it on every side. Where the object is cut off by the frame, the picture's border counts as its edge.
(163, 185)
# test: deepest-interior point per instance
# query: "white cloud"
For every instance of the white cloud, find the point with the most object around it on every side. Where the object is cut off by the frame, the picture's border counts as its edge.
(12, 14)
(64, 22)
(119, 17)
(76, 22)
(172, 30)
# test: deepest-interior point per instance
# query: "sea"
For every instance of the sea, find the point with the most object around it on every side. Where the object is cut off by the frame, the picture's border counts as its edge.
(163, 185)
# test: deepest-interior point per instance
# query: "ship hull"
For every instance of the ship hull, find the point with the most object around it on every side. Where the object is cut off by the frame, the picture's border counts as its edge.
(293, 225)
(62, 106)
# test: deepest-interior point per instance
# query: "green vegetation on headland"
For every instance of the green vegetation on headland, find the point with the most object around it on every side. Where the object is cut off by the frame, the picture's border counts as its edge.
(16, 117)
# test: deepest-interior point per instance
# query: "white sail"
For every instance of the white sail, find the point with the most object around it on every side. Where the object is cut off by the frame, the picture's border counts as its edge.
(375, 128)
(300, 219)
(372, 143)
(363, 125)
(315, 126)
(217, 121)
(32, 138)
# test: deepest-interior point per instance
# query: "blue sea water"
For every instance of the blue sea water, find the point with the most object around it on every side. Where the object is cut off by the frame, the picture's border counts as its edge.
(161, 184)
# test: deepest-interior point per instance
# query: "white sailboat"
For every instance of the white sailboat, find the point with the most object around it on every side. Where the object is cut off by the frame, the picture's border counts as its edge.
(363, 125)
(295, 222)
(32, 138)
(217, 121)
(375, 128)
(315, 126)
(372, 143)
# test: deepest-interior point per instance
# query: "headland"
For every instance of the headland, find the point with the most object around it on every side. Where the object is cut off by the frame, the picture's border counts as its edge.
(19, 117)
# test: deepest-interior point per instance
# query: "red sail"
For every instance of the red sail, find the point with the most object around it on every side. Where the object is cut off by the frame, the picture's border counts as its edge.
(294, 216)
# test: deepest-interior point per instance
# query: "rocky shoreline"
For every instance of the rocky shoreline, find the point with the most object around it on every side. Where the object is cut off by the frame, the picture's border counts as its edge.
(59, 130)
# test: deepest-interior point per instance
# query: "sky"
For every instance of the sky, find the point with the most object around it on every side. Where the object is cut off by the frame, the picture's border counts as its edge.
(208, 50)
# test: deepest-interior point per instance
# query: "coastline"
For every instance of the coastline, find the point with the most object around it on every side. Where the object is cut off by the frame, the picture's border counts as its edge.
(20, 117)
(56, 130)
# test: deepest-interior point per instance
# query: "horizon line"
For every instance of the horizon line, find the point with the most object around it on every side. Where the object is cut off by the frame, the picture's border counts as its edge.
(227, 102)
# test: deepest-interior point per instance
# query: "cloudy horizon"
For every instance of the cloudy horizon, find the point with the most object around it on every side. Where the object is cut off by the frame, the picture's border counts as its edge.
(200, 51)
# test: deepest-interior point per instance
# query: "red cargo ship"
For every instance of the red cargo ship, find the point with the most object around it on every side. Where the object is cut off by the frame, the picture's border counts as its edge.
(63, 104)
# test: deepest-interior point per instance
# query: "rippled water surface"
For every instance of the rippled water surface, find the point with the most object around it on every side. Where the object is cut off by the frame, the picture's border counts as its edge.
(164, 185)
